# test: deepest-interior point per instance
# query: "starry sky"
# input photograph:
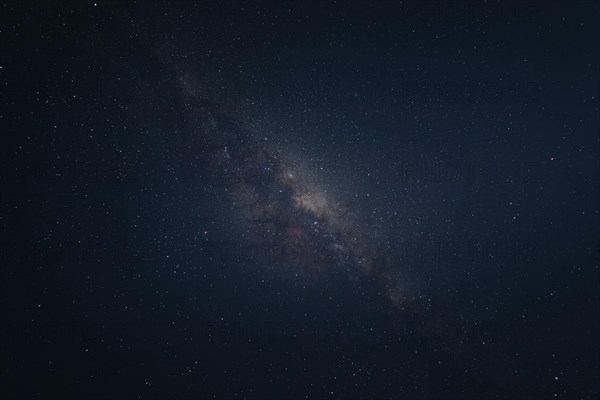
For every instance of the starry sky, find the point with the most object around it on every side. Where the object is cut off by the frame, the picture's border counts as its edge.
(300, 200)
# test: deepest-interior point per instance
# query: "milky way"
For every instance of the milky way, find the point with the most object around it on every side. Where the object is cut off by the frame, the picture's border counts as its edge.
(286, 206)
(290, 211)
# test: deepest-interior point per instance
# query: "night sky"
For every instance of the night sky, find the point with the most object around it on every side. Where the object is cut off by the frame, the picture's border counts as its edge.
(300, 200)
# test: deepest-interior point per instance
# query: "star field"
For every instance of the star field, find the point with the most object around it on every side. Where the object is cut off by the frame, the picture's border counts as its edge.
(300, 200)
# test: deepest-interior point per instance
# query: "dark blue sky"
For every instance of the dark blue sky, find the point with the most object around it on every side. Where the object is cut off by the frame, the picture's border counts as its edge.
(300, 200)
